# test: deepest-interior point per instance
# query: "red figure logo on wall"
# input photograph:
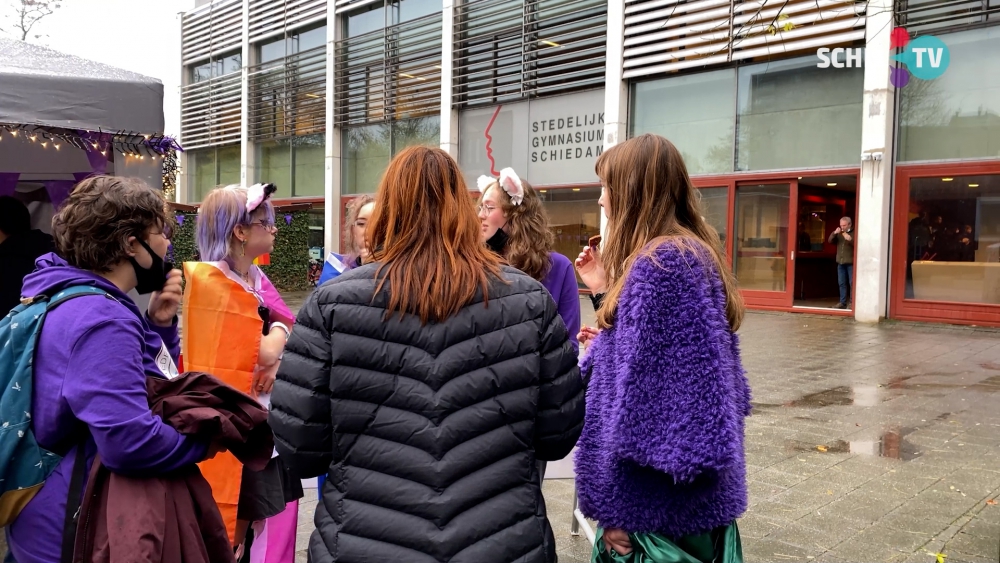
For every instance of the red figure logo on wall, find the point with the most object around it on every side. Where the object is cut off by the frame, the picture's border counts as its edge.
(489, 141)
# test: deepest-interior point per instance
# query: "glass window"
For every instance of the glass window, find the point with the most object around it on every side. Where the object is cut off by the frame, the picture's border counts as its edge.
(229, 165)
(957, 115)
(761, 236)
(210, 168)
(715, 209)
(367, 151)
(406, 10)
(953, 239)
(945, 15)
(792, 114)
(295, 165)
(232, 63)
(310, 162)
(308, 39)
(370, 19)
(424, 131)
(574, 217)
(696, 112)
(201, 72)
(275, 166)
(316, 242)
(203, 177)
(217, 67)
(272, 51)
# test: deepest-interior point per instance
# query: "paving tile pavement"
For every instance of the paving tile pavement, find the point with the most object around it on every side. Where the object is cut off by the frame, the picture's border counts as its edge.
(867, 443)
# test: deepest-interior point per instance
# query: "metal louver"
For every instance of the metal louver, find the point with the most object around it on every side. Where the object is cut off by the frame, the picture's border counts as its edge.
(512, 49)
(268, 18)
(210, 112)
(670, 35)
(210, 30)
(393, 73)
(288, 96)
(351, 5)
(925, 16)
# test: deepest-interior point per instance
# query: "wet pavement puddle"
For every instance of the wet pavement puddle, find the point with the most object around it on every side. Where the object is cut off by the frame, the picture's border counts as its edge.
(892, 444)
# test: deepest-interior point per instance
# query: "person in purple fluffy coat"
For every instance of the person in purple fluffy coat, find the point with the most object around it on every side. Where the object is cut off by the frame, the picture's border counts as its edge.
(660, 465)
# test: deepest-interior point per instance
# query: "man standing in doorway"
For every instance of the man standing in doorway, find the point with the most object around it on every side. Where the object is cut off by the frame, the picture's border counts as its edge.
(844, 237)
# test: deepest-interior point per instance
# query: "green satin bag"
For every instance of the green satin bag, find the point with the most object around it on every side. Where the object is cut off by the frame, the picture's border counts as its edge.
(721, 545)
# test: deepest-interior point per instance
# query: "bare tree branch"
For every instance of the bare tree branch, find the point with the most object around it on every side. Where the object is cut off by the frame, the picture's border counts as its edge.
(27, 13)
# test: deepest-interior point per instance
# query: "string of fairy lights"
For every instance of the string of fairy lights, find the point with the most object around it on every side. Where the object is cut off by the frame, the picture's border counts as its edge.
(129, 144)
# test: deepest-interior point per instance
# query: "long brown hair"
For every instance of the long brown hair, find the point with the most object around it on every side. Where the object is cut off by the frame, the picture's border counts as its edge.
(426, 235)
(353, 210)
(528, 228)
(652, 201)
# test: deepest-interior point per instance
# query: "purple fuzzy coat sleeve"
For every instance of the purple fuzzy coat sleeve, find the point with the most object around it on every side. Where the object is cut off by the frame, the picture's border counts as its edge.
(678, 411)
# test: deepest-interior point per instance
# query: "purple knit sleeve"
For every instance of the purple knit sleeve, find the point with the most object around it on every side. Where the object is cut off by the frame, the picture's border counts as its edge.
(170, 335)
(681, 400)
(569, 303)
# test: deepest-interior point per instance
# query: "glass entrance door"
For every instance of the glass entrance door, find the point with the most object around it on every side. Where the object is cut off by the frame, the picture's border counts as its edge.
(763, 257)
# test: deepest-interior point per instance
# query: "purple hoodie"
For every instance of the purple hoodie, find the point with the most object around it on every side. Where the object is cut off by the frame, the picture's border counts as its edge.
(561, 283)
(662, 444)
(91, 364)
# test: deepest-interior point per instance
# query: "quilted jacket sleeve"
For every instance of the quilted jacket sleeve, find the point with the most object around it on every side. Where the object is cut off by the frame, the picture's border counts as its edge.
(561, 392)
(300, 402)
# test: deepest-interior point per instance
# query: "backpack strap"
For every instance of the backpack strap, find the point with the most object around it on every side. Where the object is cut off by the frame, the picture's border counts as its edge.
(73, 502)
(71, 292)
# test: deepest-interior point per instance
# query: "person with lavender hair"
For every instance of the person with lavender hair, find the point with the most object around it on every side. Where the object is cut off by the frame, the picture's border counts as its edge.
(235, 327)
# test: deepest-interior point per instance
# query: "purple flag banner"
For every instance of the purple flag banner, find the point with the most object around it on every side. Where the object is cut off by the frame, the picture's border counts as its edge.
(8, 182)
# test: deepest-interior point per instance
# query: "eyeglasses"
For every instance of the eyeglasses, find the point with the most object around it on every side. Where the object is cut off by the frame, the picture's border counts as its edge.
(489, 209)
(267, 225)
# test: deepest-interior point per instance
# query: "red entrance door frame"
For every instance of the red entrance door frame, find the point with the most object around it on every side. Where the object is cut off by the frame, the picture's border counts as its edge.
(933, 311)
(771, 300)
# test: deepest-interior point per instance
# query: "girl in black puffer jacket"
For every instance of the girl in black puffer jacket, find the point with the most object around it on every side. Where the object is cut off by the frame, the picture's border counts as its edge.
(426, 385)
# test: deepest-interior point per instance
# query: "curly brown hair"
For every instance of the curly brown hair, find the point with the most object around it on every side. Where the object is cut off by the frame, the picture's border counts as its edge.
(528, 228)
(92, 228)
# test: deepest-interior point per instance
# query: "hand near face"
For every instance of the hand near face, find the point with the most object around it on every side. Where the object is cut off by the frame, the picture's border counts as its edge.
(591, 270)
(163, 304)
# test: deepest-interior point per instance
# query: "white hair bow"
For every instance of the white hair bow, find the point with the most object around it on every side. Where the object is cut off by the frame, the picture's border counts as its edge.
(508, 181)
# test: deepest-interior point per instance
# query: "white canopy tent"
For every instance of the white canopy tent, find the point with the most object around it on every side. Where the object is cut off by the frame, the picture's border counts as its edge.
(63, 118)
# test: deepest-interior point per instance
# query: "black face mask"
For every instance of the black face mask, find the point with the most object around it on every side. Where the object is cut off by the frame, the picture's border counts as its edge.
(498, 242)
(152, 278)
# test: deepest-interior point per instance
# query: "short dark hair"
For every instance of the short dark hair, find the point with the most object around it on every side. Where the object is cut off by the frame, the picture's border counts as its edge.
(14, 216)
(92, 228)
